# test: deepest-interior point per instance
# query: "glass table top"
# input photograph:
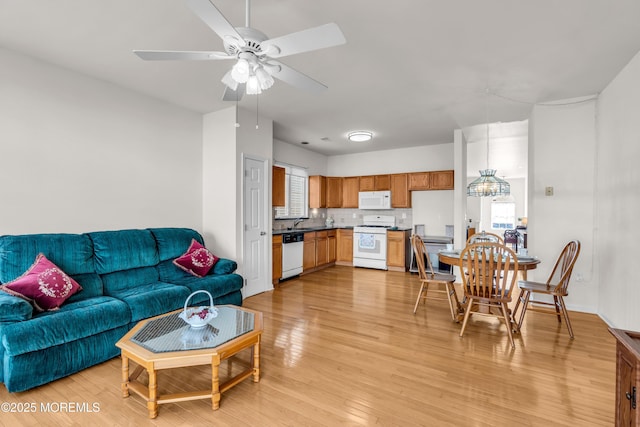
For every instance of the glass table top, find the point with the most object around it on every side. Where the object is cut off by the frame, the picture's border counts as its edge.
(171, 333)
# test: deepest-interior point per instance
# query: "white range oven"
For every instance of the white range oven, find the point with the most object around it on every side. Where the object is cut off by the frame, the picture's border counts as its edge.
(370, 241)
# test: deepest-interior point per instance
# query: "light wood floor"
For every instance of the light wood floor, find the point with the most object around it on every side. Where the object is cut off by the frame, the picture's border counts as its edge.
(342, 347)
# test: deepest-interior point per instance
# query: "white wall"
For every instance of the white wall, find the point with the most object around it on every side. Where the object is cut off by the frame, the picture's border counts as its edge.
(562, 155)
(618, 196)
(78, 154)
(224, 145)
(315, 163)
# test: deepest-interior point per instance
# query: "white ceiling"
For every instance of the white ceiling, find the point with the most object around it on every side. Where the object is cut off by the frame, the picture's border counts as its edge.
(411, 71)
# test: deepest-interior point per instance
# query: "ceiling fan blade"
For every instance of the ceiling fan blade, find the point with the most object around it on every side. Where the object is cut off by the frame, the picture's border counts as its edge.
(169, 55)
(296, 78)
(216, 21)
(233, 95)
(321, 37)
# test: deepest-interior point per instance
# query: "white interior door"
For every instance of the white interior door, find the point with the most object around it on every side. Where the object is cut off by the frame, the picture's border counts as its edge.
(256, 239)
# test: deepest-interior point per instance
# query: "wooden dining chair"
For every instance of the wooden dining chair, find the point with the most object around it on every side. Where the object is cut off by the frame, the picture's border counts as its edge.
(557, 285)
(485, 268)
(442, 282)
(484, 237)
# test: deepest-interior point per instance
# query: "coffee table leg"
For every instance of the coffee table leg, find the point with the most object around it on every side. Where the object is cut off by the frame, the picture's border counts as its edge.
(152, 404)
(215, 382)
(125, 376)
(256, 362)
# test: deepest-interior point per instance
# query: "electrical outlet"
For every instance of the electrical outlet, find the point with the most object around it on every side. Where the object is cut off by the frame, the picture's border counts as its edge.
(354, 215)
(548, 191)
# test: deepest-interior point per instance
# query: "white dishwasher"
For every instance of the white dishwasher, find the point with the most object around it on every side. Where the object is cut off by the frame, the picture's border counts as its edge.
(292, 250)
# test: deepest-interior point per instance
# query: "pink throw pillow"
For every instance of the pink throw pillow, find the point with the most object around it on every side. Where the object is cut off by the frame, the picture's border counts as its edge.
(44, 285)
(197, 260)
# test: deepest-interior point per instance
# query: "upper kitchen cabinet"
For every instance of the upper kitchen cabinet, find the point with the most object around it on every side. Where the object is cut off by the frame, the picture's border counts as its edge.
(334, 192)
(400, 195)
(375, 183)
(350, 189)
(441, 180)
(419, 181)
(435, 180)
(278, 184)
(317, 192)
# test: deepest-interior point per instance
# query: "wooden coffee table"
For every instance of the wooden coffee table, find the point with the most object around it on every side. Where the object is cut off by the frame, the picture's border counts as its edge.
(166, 341)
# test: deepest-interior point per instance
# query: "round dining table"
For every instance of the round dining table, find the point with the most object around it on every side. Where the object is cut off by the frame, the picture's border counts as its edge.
(524, 263)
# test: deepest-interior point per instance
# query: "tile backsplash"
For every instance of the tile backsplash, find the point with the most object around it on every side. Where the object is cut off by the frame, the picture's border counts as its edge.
(346, 218)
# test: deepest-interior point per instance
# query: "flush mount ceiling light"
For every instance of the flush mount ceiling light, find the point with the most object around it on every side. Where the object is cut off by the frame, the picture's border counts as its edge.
(360, 136)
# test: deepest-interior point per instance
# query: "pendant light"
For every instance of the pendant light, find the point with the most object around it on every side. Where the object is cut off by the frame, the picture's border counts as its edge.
(488, 184)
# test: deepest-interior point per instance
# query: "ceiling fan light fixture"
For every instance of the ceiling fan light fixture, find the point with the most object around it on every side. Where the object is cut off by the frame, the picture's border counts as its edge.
(264, 78)
(360, 136)
(229, 81)
(253, 86)
(240, 71)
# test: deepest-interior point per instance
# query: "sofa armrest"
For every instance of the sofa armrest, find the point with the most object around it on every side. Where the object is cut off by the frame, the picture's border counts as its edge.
(224, 266)
(14, 309)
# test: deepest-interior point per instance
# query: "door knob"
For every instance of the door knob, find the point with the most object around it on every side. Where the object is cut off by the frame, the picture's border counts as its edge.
(262, 233)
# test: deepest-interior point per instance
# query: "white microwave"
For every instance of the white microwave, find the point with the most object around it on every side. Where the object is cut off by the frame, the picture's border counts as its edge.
(374, 200)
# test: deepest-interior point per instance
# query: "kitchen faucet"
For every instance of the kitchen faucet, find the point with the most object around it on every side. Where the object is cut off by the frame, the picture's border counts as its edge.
(296, 222)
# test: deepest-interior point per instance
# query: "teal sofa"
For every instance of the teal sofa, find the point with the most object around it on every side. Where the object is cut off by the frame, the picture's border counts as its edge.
(126, 276)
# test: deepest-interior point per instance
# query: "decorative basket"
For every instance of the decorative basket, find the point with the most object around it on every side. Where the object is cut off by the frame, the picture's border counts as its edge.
(198, 317)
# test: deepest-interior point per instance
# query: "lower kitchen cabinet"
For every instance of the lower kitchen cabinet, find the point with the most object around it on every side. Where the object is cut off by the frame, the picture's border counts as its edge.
(309, 252)
(276, 248)
(398, 250)
(319, 250)
(344, 240)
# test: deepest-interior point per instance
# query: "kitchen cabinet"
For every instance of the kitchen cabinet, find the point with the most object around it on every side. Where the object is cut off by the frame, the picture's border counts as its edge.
(332, 242)
(344, 242)
(350, 189)
(322, 248)
(277, 186)
(441, 180)
(319, 250)
(276, 249)
(334, 192)
(309, 252)
(400, 195)
(317, 191)
(419, 181)
(627, 377)
(375, 183)
(434, 180)
(398, 250)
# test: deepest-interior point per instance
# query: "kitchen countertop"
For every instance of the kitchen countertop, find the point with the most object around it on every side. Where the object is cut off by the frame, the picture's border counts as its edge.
(312, 229)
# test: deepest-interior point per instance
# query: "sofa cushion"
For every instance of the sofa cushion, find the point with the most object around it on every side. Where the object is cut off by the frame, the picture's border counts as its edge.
(73, 253)
(123, 249)
(14, 309)
(197, 260)
(71, 322)
(91, 287)
(44, 285)
(216, 285)
(172, 241)
(170, 273)
(153, 299)
(119, 281)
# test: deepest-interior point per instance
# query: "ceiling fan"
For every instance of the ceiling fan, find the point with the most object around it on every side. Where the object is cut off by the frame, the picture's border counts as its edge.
(255, 53)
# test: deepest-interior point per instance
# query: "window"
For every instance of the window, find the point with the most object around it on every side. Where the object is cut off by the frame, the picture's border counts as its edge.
(296, 194)
(503, 215)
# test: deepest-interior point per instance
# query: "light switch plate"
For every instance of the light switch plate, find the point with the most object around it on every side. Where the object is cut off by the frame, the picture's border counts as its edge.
(548, 191)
